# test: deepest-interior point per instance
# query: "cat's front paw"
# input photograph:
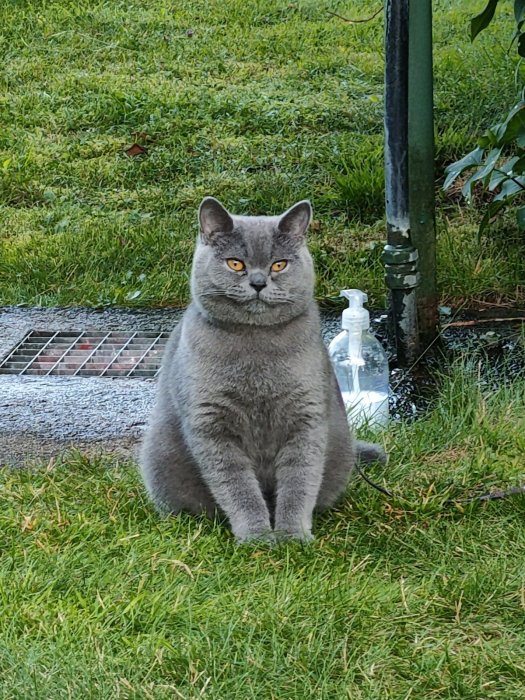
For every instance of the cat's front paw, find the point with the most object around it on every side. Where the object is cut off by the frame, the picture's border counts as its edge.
(264, 536)
(285, 535)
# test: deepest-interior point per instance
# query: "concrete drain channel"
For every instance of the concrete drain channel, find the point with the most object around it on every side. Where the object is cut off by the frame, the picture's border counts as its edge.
(77, 378)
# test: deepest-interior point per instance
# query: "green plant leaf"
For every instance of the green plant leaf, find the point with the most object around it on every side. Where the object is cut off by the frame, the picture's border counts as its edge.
(513, 126)
(520, 218)
(516, 165)
(479, 22)
(482, 173)
(469, 161)
(510, 188)
(520, 140)
(502, 173)
(490, 137)
(521, 45)
(519, 11)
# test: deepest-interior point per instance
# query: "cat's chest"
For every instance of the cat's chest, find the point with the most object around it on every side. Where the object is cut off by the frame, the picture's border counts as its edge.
(257, 365)
(263, 377)
(254, 378)
(262, 371)
(259, 400)
(258, 387)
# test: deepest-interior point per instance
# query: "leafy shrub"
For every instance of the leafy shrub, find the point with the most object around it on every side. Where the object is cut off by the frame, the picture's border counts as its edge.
(498, 161)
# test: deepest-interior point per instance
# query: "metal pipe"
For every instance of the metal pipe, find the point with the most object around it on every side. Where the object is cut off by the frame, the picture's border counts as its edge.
(421, 163)
(399, 255)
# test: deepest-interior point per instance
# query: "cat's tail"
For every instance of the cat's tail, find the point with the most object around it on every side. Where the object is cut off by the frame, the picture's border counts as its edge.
(367, 452)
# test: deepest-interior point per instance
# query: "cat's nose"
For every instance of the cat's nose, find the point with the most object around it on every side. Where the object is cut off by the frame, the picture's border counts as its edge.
(258, 281)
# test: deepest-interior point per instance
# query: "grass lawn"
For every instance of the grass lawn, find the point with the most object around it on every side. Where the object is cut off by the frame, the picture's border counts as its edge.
(258, 103)
(407, 598)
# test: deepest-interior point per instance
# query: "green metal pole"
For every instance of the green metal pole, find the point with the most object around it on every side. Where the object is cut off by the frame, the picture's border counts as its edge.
(421, 164)
(399, 255)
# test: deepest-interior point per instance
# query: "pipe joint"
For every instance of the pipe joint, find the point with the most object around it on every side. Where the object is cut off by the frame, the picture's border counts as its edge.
(399, 255)
(401, 269)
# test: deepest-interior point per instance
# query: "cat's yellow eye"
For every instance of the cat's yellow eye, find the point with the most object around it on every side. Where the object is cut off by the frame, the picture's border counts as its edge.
(279, 265)
(236, 265)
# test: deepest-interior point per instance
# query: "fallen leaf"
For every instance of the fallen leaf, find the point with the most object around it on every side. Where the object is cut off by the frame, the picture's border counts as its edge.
(135, 150)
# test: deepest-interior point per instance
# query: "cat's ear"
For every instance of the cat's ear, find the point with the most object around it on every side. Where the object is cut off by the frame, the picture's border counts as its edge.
(213, 219)
(296, 220)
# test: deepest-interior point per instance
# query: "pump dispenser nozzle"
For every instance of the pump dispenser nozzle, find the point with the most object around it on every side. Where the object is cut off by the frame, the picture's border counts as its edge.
(355, 316)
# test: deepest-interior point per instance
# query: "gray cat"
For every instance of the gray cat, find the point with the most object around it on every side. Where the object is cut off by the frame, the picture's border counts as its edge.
(249, 421)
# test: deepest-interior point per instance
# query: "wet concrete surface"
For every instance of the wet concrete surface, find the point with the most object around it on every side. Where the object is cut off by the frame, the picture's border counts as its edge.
(42, 416)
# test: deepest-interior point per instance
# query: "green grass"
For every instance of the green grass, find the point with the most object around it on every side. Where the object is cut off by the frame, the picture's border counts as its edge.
(408, 598)
(265, 103)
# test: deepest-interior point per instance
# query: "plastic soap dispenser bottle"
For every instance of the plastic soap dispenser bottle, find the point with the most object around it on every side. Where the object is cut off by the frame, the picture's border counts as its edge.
(361, 365)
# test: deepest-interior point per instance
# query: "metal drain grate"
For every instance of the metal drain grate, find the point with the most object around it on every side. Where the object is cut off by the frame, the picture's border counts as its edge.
(87, 354)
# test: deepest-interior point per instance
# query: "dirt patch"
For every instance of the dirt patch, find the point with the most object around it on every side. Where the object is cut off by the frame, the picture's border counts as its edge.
(23, 450)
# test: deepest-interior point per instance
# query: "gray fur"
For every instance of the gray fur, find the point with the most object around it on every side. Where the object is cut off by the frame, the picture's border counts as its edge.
(249, 421)
(368, 452)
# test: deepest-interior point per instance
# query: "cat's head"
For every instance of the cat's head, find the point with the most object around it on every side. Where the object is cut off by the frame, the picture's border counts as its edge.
(252, 269)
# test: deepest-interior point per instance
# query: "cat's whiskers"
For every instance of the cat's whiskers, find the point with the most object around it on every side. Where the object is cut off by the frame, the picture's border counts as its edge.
(214, 293)
(241, 296)
(277, 297)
